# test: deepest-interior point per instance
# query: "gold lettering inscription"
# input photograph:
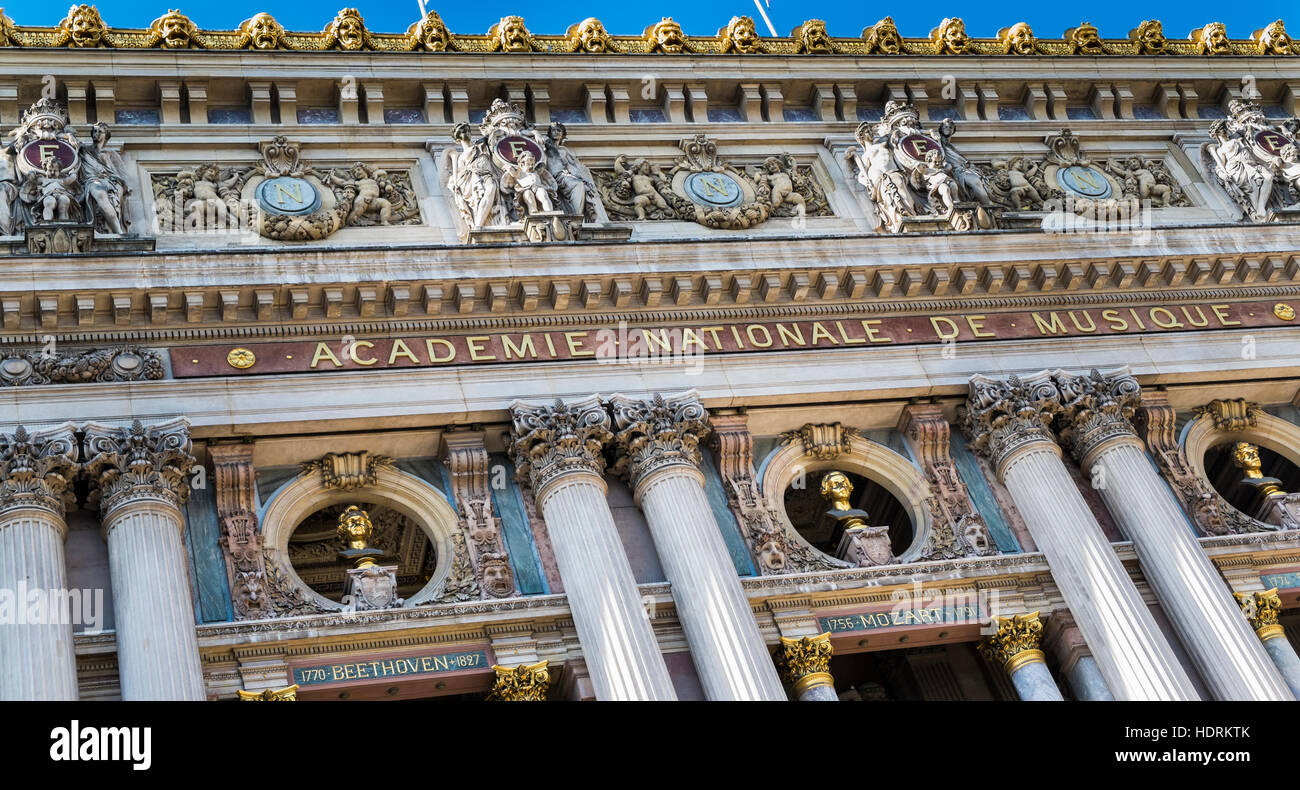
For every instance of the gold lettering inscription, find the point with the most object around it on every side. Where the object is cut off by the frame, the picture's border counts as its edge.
(323, 352)
(400, 349)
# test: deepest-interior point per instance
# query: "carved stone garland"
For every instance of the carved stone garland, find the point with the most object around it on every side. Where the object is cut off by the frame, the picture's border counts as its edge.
(958, 530)
(467, 460)
(775, 547)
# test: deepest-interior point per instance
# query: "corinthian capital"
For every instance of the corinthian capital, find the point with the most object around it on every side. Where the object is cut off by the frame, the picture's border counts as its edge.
(1015, 643)
(1095, 409)
(805, 662)
(36, 468)
(548, 442)
(1003, 416)
(657, 433)
(139, 462)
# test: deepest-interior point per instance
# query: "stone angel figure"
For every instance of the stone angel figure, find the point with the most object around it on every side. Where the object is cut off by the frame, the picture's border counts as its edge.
(51, 193)
(638, 189)
(533, 185)
(780, 178)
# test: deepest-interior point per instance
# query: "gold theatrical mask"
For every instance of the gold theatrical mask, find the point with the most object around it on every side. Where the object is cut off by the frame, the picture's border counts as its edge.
(348, 32)
(8, 35)
(1273, 40)
(498, 578)
(1212, 39)
(590, 35)
(739, 36)
(1150, 38)
(950, 38)
(510, 35)
(665, 36)
(1084, 40)
(173, 30)
(1246, 456)
(1018, 40)
(882, 38)
(83, 27)
(429, 34)
(811, 38)
(261, 31)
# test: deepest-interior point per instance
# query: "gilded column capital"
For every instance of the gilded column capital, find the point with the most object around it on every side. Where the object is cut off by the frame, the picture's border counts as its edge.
(139, 462)
(549, 442)
(1262, 609)
(1096, 409)
(657, 433)
(1003, 417)
(36, 469)
(524, 683)
(1015, 643)
(286, 694)
(805, 662)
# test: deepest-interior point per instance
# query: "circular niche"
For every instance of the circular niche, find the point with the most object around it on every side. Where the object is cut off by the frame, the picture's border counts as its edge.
(314, 546)
(806, 509)
(1227, 478)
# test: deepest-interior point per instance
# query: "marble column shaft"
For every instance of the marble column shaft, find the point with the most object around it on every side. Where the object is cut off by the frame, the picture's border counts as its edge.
(1015, 646)
(558, 449)
(1263, 610)
(1283, 654)
(658, 443)
(1007, 420)
(1199, 604)
(141, 480)
(37, 659)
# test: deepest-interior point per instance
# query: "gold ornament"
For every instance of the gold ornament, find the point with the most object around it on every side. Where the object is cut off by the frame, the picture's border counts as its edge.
(524, 683)
(1015, 643)
(241, 358)
(1084, 40)
(1284, 311)
(882, 38)
(510, 35)
(1246, 456)
(1211, 39)
(589, 36)
(836, 490)
(428, 34)
(950, 38)
(261, 31)
(173, 30)
(1018, 40)
(1150, 38)
(286, 694)
(665, 36)
(1262, 610)
(1232, 415)
(356, 530)
(347, 32)
(805, 662)
(811, 38)
(83, 27)
(739, 36)
(1273, 40)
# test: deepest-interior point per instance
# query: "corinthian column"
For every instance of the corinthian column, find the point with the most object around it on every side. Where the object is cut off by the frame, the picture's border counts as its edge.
(1007, 421)
(658, 444)
(1015, 645)
(37, 661)
(1262, 610)
(557, 449)
(1095, 426)
(140, 479)
(805, 663)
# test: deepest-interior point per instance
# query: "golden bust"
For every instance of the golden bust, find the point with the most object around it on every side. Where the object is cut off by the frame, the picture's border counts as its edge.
(739, 36)
(589, 35)
(173, 30)
(83, 27)
(1018, 40)
(355, 528)
(261, 31)
(1212, 39)
(882, 38)
(511, 35)
(1246, 456)
(429, 33)
(950, 38)
(1273, 40)
(836, 489)
(1150, 38)
(665, 36)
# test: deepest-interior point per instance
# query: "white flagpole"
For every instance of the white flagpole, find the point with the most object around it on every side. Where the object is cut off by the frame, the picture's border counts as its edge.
(424, 13)
(761, 13)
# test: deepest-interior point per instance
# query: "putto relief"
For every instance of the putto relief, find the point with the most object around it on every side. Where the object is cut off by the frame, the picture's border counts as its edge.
(283, 197)
(704, 188)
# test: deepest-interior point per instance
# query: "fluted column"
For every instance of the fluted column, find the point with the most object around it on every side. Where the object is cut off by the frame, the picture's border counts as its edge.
(658, 445)
(557, 449)
(1262, 610)
(805, 664)
(1095, 426)
(140, 478)
(37, 660)
(1007, 421)
(1061, 636)
(1015, 646)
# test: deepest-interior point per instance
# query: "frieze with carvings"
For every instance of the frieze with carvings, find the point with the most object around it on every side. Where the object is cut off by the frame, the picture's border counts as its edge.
(127, 363)
(1256, 162)
(283, 197)
(84, 27)
(704, 188)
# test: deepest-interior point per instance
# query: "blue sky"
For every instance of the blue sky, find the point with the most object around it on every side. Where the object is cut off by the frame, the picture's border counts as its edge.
(701, 17)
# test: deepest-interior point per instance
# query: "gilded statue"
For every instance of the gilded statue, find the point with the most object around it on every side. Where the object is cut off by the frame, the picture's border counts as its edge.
(173, 30)
(510, 35)
(261, 31)
(1084, 40)
(836, 490)
(1018, 40)
(590, 35)
(1212, 39)
(811, 38)
(347, 32)
(1150, 38)
(356, 530)
(665, 36)
(82, 27)
(950, 38)
(1273, 40)
(739, 36)
(429, 34)
(883, 38)
(1246, 457)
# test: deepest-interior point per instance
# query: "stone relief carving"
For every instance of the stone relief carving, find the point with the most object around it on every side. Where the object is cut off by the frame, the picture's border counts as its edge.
(283, 197)
(915, 179)
(1256, 162)
(656, 433)
(514, 182)
(37, 469)
(138, 461)
(824, 441)
(1066, 179)
(467, 460)
(701, 187)
(71, 366)
(958, 530)
(348, 471)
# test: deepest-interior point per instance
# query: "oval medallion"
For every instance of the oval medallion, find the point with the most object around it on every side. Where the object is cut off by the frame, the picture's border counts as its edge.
(288, 195)
(1082, 180)
(241, 358)
(509, 148)
(713, 189)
